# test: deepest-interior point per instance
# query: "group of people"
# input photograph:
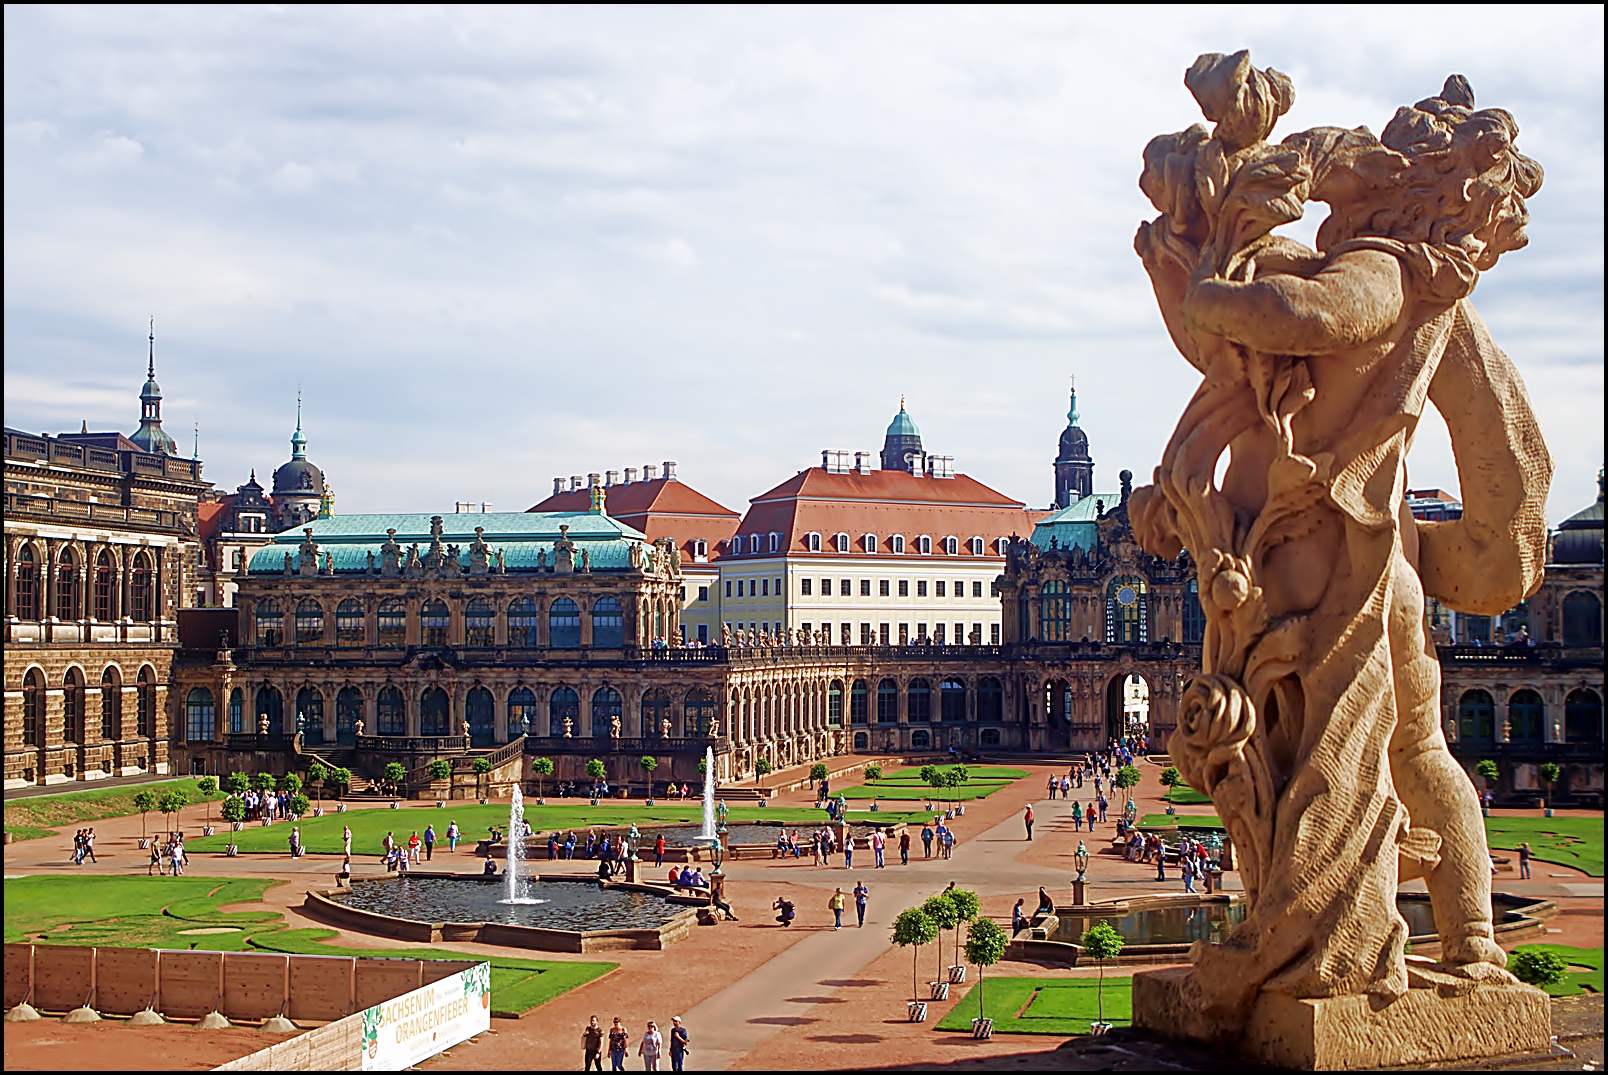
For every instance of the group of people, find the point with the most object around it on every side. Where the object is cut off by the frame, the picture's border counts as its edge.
(651, 1046)
(940, 832)
(266, 805)
(570, 789)
(167, 856)
(84, 847)
(690, 877)
(604, 846)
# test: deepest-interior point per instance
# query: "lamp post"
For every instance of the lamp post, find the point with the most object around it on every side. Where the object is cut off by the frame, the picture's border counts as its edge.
(1080, 883)
(717, 853)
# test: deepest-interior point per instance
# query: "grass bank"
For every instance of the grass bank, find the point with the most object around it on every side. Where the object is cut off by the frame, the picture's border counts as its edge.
(1063, 1006)
(45, 815)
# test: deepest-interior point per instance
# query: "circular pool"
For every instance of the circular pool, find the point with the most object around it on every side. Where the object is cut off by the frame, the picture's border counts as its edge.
(567, 905)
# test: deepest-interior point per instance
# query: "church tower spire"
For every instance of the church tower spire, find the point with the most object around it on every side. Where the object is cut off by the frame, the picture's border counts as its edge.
(150, 435)
(1074, 469)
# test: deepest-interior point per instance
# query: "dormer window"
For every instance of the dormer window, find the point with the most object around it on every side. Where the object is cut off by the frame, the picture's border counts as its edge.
(812, 542)
(737, 545)
(1000, 545)
(952, 546)
(841, 542)
(896, 543)
(977, 546)
(775, 542)
(870, 542)
(924, 545)
(753, 543)
(700, 548)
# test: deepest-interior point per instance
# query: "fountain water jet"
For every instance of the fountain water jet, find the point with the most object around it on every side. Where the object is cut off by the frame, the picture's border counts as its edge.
(516, 849)
(709, 795)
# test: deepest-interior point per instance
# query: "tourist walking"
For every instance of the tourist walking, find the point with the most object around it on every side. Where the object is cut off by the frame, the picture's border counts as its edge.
(89, 846)
(1066, 786)
(904, 848)
(295, 841)
(1102, 802)
(346, 840)
(879, 843)
(1161, 864)
(848, 851)
(1186, 866)
(1524, 862)
(389, 843)
(1077, 818)
(861, 894)
(650, 1046)
(453, 835)
(429, 842)
(619, 1038)
(815, 847)
(658, 850)
(926, 839)
(836, 903)
(592, 1044)
(413, 846)
(949, 843)
(1027, 818)
(1089, 815)
(678, 1043)
(1050, 787)
(178, 858)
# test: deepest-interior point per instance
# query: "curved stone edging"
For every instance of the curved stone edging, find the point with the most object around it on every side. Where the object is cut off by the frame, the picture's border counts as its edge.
(320, 906)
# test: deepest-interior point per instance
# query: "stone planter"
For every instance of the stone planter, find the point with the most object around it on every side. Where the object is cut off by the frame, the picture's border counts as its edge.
(145, 843)
(231, 851)
(918, 1011)
(982, 1029)
(957, 975)
(1099, 1029)
(340, 808)
(440, 805)
(207, 830)
(318, 811)
(395, 805)
(238, 825)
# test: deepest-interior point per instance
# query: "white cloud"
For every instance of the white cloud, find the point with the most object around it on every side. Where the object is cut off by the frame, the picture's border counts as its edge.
(500, 244)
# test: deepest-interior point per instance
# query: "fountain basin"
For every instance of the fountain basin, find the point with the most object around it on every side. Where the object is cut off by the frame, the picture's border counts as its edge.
(578, 913)
(684, 843)
(1161, 929)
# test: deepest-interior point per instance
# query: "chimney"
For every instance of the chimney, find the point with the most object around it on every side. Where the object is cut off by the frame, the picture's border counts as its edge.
(916, 462)
(669, 470)
(485, 508)
(558, 486)
(862, 462)
(611, 478)
(594, 479)
(649, 472)
(575, 483)
(630, 475)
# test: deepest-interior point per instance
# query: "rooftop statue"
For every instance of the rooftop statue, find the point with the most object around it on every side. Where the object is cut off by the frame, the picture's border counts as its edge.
(1313, 723)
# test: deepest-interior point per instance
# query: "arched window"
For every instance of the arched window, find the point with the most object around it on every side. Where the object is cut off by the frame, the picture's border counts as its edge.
(271, 705)
(1476, 717)
(72, 707)
(141, 590)
(349, 623)
(812, 542)
(479, 624)
(920, 740)
(522, 713)
(1055, 612)
(390, 712)
(310, 714)
(1582, 619)
(775, 542)
(1524, 717)
(111, 704)
(200, 716)
(606, 705)
(990, 737)
(918, 704)
(869, 541)
(145, 703)
(433, 623)
(27, 584)
(834, 704)
(391, 623)
(1194, 615)
(480, 710)
(270, 623)
(435, 712)
(858, 702)
(1126, 618)
(887, 702)
(990, 701)
(698, 713)
(67, 586)
(952, 700)
(522, 616)
(952, 546)
(977, 546)
(103, 586)
(840, 542)
(309, 623)
(737, 545)
(924, 545)
(655, 710)
(1582, 717)
(33, 708)
(896, 543)
(348, 711)
(862, 741)
(564, 705)
(564, 624)
(237, 711)
(608, 624)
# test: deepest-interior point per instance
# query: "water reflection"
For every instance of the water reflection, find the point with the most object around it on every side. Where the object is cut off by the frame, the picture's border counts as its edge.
(554, 905)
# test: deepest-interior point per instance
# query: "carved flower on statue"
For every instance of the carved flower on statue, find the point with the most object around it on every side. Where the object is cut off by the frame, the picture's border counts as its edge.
(1214, 713)
(1244, 103)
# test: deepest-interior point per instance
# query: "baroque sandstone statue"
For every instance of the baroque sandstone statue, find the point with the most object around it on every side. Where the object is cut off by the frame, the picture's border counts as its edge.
(1314, 722)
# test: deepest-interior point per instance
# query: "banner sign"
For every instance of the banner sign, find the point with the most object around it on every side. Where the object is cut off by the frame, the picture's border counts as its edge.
(411, 1028)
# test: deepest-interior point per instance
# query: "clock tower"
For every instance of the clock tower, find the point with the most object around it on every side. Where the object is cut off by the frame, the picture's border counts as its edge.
(1074, 470)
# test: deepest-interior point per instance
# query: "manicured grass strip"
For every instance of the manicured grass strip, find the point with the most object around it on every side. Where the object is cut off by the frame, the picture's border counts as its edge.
(1063, 1006)
(1184, 795)
(322, 835)
(517, 985)
(1564, 841)
(1588, 981)
(71, 808)
(975, 772)
(1168, 821)
(19, 833)
(919, 792)
(135, 912)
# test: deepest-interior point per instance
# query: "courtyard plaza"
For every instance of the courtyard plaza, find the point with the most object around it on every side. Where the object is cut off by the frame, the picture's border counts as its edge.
(753, 995)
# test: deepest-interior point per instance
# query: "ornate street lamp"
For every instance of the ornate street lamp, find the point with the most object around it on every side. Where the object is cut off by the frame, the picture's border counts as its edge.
(1081, 856)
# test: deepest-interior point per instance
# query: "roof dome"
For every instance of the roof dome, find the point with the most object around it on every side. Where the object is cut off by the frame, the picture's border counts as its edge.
(902, 424)
(298, 477)
(1074, 443)
(1579, 537)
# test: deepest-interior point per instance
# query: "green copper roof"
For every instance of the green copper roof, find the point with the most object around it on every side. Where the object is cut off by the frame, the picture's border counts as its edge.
(902, 426)
(1074, 525)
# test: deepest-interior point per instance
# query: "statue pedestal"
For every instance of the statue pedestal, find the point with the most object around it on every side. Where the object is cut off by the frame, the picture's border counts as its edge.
(1338, 1033)
(1079, 893)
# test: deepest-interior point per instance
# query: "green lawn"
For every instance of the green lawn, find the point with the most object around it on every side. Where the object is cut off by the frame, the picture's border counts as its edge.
(919, 792)
(322, 835)
(44, 815)
(517, 985)
(975, 772)
(1167, 821)
(1586, 981)
(154, 912)
(1063, 1006)
(1184, 795)
(1567, 841)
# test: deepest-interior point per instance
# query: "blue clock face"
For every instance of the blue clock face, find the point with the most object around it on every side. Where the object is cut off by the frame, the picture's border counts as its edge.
(1126, 597)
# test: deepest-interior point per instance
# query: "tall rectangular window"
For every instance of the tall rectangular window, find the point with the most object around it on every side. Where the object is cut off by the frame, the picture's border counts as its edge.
(728, 589)
(826, 588)
(904, 634)
(977, 588)
(779, 589)
(865, 634)
(703, 634)
(960, 633)
(764, 587)
(938, 633)
(740, 587)
(938, 588)
(921, 588)
(977, 634)
(846, 587)
(846, 634)
(703, 593)
(960, 587)
(804, 587)
(904, 587)
(882, 587)
(865, 587)
(807, 630)
(882, 633)
(993, 634)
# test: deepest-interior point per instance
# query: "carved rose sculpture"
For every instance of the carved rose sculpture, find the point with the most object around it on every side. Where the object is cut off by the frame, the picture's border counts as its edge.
(1314, 723)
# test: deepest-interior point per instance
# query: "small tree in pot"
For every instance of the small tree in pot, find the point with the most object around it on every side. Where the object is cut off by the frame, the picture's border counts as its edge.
(1549, 773)
(234, 810)
(208, 787)
(945, 915)
(912, 929)
(341, 777)
(144, 802)
(236, 784)
(817, 772)
(648, 764)
(1127, 778)
(482, 766)
(873, 773)
(316, 775)
(1170, 779)
(985, 946)
(394, 774)
(1103, 942)
(762, 769)
(543, 768)
(967, 906)
(171, 802)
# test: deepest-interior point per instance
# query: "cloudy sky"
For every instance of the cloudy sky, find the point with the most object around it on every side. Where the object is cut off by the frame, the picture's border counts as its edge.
(498, 245)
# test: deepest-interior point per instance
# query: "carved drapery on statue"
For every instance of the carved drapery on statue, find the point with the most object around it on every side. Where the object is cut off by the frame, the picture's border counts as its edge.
(1313, 724)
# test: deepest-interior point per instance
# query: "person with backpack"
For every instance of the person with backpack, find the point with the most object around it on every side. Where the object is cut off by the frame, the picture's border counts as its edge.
(785, 909)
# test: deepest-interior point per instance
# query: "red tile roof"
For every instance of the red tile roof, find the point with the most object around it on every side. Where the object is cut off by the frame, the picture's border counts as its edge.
(659, 508)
